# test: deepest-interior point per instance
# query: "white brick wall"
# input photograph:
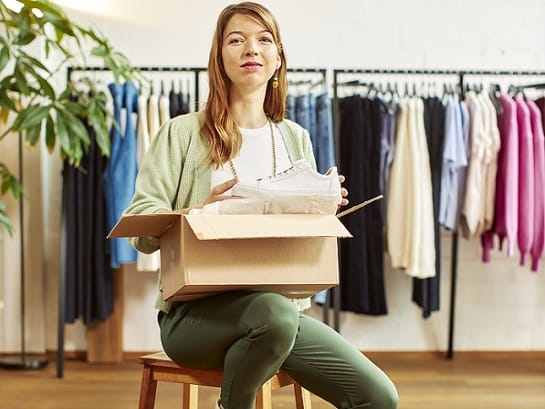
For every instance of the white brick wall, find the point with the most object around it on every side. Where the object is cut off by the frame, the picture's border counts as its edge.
(500, 305)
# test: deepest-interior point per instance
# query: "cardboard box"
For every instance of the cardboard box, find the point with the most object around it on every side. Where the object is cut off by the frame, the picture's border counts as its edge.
(295, 255)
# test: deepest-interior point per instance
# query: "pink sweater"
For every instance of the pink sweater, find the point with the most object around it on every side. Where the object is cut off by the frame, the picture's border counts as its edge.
(538, 243)
(525, 234)
(507, 179)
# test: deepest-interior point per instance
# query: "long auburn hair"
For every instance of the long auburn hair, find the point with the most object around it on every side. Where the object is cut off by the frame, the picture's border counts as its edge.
(219, 129)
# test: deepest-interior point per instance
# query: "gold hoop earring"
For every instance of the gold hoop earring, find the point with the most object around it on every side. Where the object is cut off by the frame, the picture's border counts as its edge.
(275, 80)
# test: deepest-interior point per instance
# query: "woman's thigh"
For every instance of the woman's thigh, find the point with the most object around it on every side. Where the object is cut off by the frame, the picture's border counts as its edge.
(200, 332)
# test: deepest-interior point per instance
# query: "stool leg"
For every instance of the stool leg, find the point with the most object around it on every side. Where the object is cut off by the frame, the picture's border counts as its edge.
(148, 389)
(190, 398)
(263, 399)
(302, 397)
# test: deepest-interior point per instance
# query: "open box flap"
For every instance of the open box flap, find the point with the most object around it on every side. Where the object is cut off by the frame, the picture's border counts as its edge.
(143, 225)
(215, 227)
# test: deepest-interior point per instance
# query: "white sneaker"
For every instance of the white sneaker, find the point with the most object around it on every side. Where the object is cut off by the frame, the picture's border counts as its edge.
(299, 180)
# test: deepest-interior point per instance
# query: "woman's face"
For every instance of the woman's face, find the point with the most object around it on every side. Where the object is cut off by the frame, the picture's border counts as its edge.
(250, 55)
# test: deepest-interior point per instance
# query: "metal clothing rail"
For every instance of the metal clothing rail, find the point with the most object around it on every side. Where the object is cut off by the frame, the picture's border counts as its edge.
(166, 69)
(461, 74)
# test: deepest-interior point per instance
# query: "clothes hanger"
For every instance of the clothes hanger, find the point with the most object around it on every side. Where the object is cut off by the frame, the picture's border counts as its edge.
(494, 93)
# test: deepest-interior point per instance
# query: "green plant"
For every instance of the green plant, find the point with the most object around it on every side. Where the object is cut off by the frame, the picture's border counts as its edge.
(29, 102)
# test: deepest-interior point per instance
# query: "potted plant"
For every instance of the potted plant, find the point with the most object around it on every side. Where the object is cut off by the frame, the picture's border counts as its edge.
(30, 104)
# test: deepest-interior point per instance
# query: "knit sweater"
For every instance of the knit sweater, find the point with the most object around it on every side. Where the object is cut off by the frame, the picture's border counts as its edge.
(174, 174)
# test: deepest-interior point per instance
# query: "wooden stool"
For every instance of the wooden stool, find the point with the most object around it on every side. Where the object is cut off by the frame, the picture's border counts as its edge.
(159, 367)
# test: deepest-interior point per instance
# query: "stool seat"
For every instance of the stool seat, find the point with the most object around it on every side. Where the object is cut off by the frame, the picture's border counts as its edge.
(159, 367)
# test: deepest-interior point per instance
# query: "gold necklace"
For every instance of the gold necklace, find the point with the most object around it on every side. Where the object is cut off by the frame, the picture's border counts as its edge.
(273, 145)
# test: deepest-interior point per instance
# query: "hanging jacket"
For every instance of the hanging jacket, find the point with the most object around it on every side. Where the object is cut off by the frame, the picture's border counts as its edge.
(120, 174)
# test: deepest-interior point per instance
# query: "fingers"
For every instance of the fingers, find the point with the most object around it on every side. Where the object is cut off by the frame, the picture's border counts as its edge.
(223, 187)
(344, 192)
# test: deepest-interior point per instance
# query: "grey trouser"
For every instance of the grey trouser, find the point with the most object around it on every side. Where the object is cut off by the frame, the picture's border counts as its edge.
(253, 334)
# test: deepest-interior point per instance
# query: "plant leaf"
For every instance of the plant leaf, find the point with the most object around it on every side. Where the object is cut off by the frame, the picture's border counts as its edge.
(4, 220)
(4, 57)
(44, 84)
(76, 126)
(50, 136)
(5, 101)
(20, 79)
(30, 116)
(32, 134)
(62, 133)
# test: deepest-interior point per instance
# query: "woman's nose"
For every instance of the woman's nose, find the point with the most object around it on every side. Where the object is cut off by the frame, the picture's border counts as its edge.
(251, 49)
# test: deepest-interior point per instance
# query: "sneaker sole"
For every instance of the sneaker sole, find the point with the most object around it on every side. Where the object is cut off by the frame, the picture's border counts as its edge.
(249, 191)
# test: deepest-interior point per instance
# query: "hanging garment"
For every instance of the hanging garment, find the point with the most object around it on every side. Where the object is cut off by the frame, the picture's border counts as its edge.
(174, 104)
(470, 225)
(507, 180)
(143, 136)
(454, 164)
(154, 121)
(324, 133)
(490, 161)
(410, 209)
(312, 123)
(290, 107)
(423, 247)
(426, 291)
(525, 232)
(388, 111)
(184, 102)
(120, 173)
(538, 242)
(399, 210)
(361, 258)
(164, 109)
(89, 280)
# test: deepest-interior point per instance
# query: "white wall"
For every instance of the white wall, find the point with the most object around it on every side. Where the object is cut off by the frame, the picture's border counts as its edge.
(500, 305)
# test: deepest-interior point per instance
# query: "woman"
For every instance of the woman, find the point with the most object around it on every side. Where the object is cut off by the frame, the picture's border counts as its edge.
(242, 135)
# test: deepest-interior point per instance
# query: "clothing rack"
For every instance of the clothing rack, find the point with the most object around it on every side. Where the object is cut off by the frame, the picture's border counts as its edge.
(62, 273)
(156, 69)
(461, 74)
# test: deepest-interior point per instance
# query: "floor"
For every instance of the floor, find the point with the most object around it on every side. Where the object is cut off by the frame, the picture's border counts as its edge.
(424, 381)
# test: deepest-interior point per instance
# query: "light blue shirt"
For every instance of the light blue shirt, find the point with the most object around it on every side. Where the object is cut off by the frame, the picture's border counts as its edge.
(454, 164)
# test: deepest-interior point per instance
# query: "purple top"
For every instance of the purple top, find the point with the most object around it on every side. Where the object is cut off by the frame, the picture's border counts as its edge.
(507, 181)
(538, 243)
(525, 234)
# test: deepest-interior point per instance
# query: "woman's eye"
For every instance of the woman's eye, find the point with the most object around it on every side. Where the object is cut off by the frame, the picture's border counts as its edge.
(235, 40)
(267, 39)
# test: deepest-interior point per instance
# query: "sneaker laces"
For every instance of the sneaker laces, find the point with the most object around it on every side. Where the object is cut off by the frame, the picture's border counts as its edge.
(287, 171)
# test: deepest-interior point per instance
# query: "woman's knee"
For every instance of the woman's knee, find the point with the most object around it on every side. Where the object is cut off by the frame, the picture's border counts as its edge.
(385, 397)
(277, 316)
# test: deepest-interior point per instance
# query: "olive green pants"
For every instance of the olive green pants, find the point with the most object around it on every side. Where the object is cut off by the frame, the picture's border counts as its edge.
(253, 334)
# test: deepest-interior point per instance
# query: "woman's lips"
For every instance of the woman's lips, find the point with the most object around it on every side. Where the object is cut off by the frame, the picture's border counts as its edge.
(251, 65)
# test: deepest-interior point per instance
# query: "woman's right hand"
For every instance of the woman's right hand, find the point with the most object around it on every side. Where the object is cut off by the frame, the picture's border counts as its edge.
(218, 192)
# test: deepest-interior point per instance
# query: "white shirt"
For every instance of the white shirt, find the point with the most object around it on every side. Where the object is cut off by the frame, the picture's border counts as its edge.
(255, 159)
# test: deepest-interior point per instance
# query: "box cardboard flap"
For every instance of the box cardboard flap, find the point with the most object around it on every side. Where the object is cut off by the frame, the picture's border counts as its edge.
(143, 225)
(216, 227)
